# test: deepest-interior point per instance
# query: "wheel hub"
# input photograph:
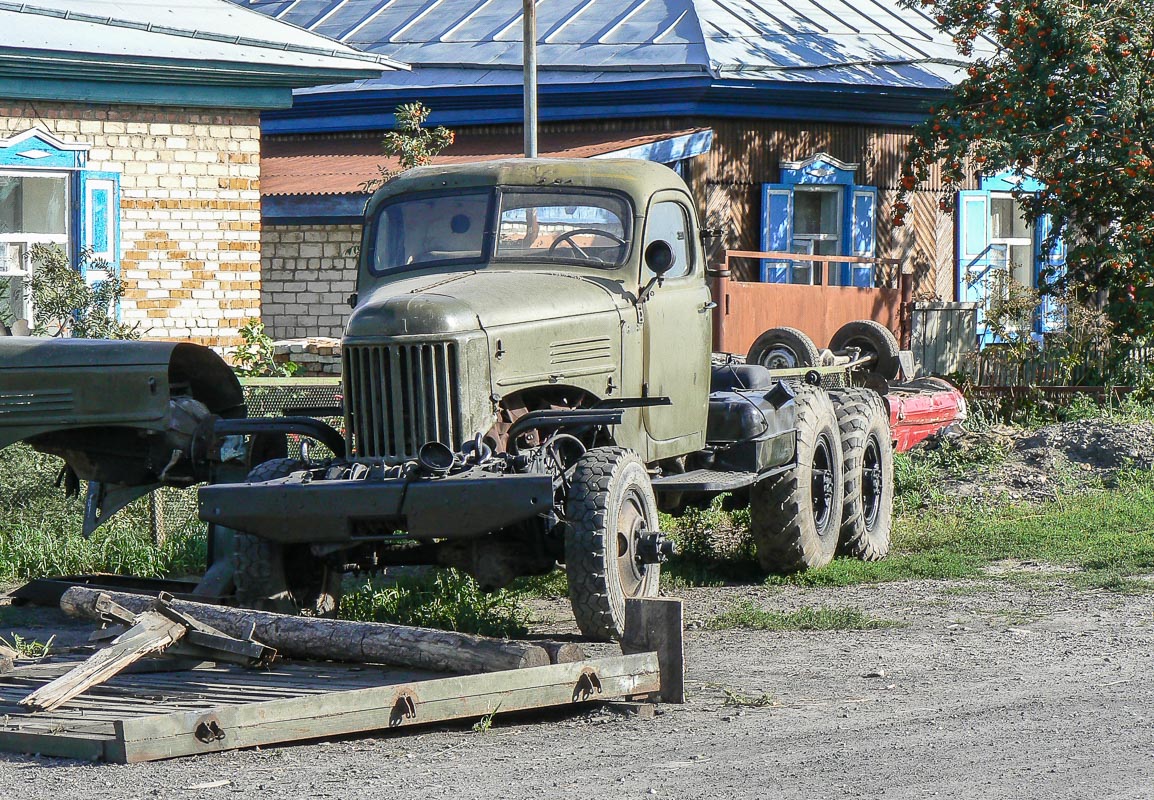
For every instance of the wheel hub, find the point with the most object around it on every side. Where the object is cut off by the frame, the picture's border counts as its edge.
(872, 482)
(822, 487)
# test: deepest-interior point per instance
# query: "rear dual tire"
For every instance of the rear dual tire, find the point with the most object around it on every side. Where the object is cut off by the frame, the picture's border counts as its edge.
(795, 517)
(868, 465)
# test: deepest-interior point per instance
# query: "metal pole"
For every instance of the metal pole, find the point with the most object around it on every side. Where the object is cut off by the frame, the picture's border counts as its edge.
(529, 61)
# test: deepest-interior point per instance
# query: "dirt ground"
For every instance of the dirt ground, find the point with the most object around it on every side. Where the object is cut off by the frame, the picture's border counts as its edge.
(999, 688)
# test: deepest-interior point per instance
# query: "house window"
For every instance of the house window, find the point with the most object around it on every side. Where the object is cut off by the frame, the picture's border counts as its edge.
(818, 209)
(993, 238)
(34, 209)
(1013, 238)
(816, 231)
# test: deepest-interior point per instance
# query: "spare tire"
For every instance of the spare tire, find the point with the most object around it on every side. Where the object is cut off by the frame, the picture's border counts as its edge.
(872, 339)
(783, 348)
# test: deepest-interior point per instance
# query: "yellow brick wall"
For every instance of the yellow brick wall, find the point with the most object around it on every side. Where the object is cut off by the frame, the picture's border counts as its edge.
(190, 208)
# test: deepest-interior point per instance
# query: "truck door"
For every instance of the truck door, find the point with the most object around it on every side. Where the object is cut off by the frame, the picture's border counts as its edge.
(677, 331)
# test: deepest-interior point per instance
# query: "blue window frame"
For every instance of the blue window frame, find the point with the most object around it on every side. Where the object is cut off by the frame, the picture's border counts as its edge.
(818, 209)
(48, 196)
(992, 236)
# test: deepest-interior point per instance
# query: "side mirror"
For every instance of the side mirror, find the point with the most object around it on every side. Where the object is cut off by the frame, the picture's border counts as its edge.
(352, 300)
(659, 257)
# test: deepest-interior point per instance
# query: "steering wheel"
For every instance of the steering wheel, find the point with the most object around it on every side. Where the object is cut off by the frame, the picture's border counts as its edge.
(567, 238)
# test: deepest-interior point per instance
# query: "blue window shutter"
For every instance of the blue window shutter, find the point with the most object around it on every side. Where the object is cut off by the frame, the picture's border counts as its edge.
(863, 234)
(976, 257)
(973, 245)
(98, 225)
(1050, 316)
(776, 229)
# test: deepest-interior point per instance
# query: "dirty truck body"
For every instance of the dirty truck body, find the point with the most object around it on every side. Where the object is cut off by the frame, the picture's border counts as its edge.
(527, 378)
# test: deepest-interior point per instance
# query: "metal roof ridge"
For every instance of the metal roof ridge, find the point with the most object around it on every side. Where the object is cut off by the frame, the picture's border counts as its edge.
(878, 62)
(350, 53)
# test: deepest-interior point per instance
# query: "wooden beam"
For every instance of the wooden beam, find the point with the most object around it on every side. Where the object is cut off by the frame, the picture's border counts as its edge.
(362, 710)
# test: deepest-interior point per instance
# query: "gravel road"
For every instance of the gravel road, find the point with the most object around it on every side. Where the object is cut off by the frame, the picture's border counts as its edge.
(990, 689)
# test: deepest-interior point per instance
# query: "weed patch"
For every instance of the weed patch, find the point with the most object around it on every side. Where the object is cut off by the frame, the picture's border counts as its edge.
(29, 648)
(750, 616)
(40, 529)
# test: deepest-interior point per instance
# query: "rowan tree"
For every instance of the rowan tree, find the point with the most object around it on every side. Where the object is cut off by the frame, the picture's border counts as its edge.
(1061, 91)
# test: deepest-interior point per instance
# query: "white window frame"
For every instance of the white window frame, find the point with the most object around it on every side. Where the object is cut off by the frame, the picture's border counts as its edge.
(24, 267)
(807, 242)
(1014, 241)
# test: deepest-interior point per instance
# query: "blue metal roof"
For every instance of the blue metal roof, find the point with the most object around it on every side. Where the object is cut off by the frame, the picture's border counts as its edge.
(805, 41)
(82, 49)
(856, 61)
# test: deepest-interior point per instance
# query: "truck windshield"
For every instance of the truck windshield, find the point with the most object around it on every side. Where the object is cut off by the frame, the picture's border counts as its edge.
(432, 229)
(566, 227)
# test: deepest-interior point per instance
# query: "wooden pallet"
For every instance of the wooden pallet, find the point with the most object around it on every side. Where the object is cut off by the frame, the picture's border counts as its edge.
(145, 717)
(150, 715)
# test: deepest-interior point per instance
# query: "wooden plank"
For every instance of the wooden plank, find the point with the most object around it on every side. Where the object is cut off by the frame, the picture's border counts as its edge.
(655, 624)
(74, 745)
(363, 710)
(152, 633)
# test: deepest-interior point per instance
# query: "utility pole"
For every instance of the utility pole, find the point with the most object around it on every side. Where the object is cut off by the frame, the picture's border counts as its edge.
(529, 62)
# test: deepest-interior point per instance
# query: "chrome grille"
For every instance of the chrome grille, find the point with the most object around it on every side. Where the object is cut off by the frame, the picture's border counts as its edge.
(399, 397)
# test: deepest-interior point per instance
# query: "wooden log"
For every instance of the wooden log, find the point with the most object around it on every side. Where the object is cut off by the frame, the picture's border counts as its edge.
(152, 633)
(338, 640)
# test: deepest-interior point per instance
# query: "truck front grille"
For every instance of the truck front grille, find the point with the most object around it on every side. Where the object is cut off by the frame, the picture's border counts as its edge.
(398, 397)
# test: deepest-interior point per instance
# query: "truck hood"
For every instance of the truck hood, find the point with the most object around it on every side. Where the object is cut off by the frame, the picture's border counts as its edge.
(479, 299)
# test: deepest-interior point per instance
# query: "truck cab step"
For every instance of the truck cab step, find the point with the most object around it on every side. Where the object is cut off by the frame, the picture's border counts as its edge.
(710, 480)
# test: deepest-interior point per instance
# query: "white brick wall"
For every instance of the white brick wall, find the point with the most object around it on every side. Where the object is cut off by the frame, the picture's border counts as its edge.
(308, 273)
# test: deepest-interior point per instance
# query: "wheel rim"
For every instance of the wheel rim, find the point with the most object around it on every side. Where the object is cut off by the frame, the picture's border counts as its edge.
(779, 357)
(822, 485)
(872, 482)
(631, 524)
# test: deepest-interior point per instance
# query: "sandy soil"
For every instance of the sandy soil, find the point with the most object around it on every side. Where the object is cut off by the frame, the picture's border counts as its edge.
(991, 689)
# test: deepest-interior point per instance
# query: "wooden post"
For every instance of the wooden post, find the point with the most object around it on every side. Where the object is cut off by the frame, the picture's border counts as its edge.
(337, 640)
(656, 625)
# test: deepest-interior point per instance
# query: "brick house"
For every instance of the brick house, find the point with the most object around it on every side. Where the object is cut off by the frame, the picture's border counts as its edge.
(133, 132)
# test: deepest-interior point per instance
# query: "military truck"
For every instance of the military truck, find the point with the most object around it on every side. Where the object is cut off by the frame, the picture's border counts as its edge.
(528, 379)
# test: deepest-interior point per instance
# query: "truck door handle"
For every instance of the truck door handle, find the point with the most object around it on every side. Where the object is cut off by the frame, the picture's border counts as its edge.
(708, 306)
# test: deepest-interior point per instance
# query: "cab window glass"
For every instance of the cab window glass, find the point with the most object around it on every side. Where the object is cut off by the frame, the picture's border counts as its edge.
(577, 228)
(668, 221)
(431, 230)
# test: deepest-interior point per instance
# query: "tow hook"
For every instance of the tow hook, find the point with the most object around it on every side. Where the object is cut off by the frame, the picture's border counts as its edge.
(654, 547)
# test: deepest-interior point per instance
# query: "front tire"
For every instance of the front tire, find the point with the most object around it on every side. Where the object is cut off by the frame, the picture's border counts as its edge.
(609, 507)
(795, 517)
(287, 579)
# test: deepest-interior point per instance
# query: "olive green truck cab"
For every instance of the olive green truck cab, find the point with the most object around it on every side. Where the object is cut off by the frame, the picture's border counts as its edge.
(527, 379)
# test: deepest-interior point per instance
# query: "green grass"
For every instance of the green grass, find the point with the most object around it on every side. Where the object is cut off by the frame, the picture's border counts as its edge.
(1106, 536)
(747, 615)
(444, 599)
(40, 529)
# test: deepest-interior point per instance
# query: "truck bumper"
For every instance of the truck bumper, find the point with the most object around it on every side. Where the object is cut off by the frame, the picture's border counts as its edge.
(295, 510)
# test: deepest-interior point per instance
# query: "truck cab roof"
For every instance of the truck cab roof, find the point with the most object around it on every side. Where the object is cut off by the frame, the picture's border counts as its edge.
(636, 178)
